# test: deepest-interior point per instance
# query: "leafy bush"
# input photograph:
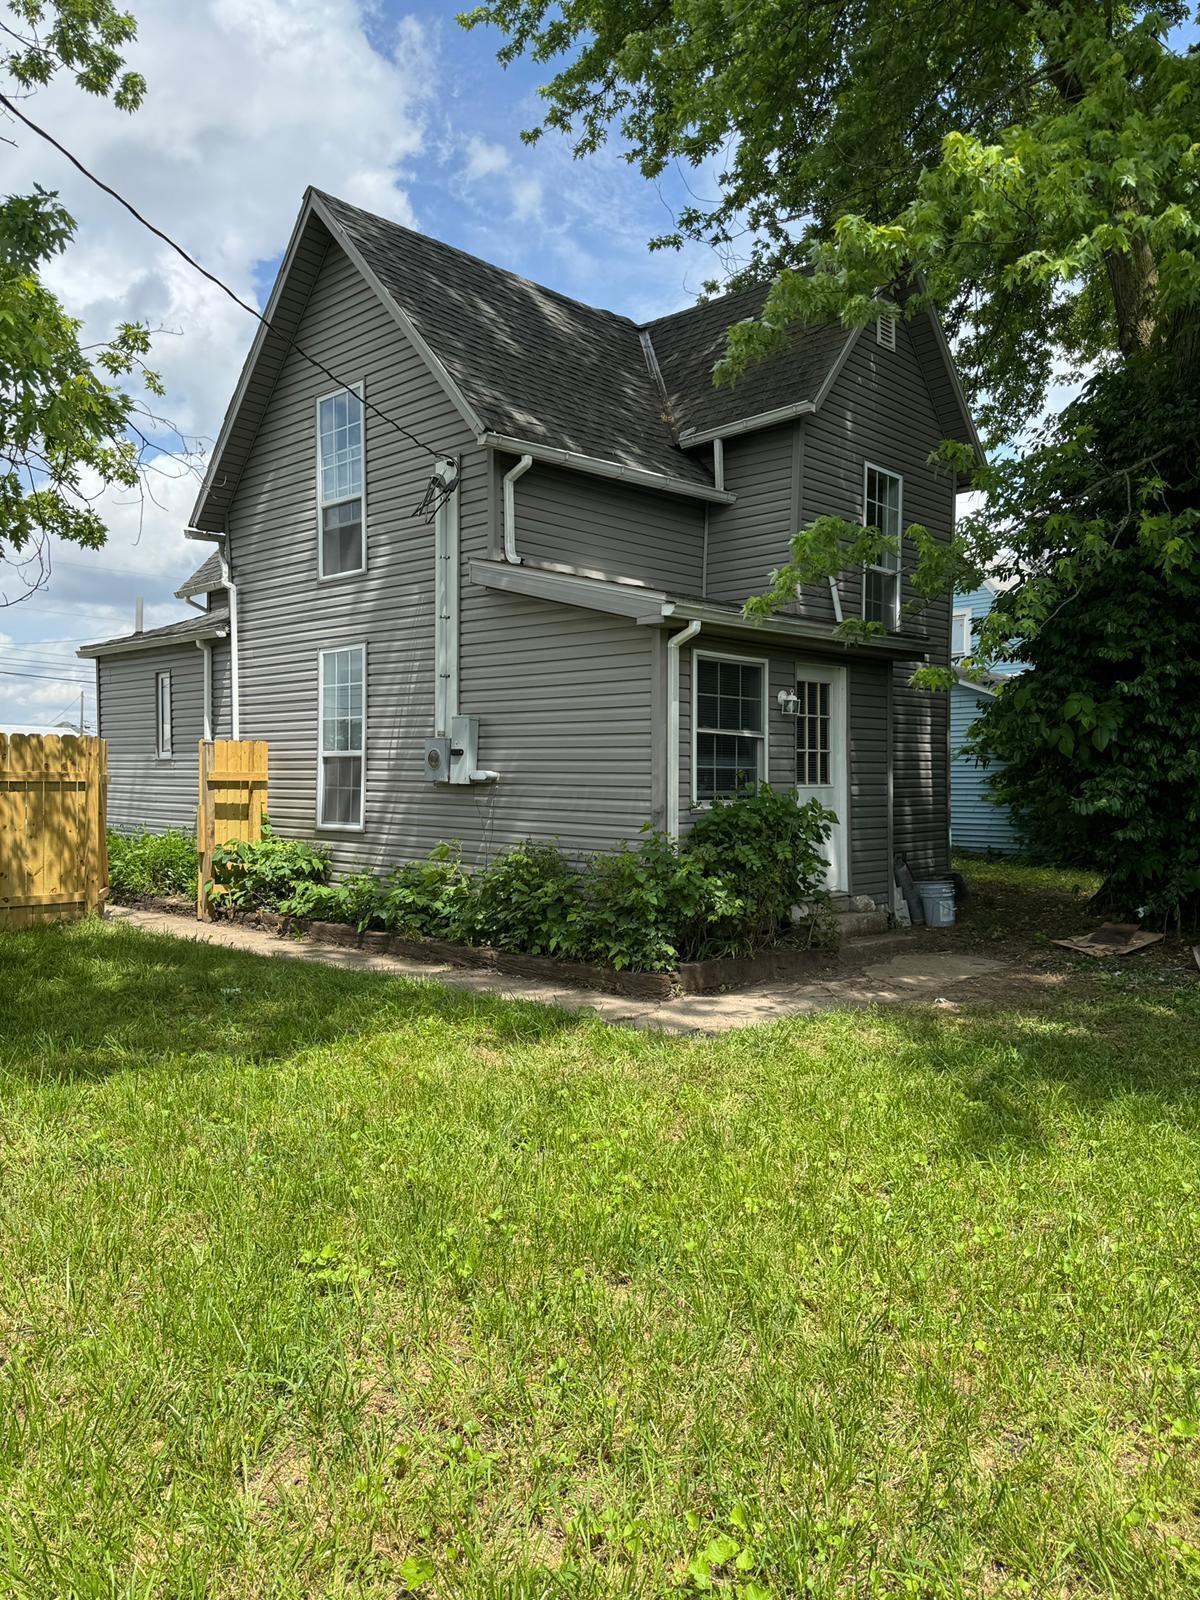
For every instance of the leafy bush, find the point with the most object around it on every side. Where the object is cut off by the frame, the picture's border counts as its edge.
(354, 899)
(527, 900)
(430, 899)
(648, 908)
(151, 863)
(766, 851)
(265, 872)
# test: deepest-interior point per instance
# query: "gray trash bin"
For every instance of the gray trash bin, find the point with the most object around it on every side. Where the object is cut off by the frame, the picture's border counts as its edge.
(937, 901)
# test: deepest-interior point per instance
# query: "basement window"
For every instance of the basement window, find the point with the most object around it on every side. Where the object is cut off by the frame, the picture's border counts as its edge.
(341, 522)
(341, 763)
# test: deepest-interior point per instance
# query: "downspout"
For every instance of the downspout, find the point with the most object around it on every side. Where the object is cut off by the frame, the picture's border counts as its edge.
(205, 646)
(510, 509)
(231, 590)
(674, 644)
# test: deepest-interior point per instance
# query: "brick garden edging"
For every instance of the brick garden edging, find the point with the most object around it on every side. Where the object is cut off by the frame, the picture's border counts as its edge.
(691, 977)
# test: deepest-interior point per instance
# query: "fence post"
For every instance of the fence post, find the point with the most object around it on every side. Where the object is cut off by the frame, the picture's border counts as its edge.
(232, 802)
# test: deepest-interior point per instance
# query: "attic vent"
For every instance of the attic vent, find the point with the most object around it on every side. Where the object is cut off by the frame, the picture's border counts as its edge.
(885, 331)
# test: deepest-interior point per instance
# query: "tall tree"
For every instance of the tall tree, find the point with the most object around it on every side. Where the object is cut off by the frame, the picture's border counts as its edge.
(1031, 164)
(67, 428)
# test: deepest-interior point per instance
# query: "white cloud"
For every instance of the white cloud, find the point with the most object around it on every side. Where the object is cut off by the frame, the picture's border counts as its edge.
(526, 198)
(484, 159)
(249, 101)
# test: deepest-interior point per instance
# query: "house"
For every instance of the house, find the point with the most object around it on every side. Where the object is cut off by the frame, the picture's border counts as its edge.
(976, 822)
(480, 553)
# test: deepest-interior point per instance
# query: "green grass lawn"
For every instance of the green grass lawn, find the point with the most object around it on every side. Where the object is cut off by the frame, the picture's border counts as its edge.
(327, 1284)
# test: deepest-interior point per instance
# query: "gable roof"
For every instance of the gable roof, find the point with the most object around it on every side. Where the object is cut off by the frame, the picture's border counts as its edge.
(524, 364)
(204, 580)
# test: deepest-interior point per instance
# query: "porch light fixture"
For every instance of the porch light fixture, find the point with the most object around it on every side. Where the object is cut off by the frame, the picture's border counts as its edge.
(789, 702)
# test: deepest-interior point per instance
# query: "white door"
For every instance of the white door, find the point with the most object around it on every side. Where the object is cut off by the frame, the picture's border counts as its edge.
(821, 758)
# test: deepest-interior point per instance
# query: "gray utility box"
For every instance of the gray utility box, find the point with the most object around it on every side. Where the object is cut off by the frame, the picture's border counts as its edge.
(455, 759)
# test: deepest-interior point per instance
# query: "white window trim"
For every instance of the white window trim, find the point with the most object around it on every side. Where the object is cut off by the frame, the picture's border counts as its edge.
(351, 572)
(885, 340)
(764, 737)
(955, 618)
(361, 752)
(869, 566)
(838, 843)
(163, 748)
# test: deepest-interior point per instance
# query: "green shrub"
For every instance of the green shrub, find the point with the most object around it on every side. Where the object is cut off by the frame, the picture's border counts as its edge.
(265, 872)
(354, 899)
(648, 907)
(527, 900)
(766, 851)
(430, 899)
(151, 863)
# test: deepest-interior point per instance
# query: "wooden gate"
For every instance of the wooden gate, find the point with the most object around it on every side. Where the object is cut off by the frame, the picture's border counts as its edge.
(233, 800)
(53, 809)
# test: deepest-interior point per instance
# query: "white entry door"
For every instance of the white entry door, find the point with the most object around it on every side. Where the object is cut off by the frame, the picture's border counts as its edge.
(821, 758)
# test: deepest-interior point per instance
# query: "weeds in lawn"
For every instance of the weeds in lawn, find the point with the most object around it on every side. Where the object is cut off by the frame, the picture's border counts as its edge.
(319, 1283)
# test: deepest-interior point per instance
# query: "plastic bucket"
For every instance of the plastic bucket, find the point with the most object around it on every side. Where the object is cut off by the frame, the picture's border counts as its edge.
(937, 901)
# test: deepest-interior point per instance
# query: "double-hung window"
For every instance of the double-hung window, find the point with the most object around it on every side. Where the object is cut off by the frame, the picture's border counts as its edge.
(162, 715)
(882, 502)
(960, 635)
(341, 524)
(730, 721)
(341, 763)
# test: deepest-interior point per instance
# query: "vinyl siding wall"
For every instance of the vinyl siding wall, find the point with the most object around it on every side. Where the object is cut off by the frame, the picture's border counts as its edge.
(143, 791)
(880, 410)
(563, 695)
(975, 822)
(611, 529)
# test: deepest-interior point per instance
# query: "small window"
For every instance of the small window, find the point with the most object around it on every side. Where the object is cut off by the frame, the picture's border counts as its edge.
(342, 759)
(960, 635)
(162, 717)
(340, 521)
(882, 496)
(730, 726)
(885, 331)
(812, 733)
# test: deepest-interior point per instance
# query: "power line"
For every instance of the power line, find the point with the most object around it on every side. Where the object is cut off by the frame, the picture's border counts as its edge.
(253, 311)
(50, 677)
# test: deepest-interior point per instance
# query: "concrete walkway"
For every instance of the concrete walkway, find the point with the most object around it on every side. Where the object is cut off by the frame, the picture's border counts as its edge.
(886, 970)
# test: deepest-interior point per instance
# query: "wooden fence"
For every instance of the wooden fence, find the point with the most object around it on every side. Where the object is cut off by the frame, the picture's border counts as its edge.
(233, 800)
(53, 809)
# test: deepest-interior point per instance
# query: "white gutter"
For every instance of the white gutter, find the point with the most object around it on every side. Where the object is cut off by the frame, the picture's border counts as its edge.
(835, 594)
(446, 605)
(719, 462)
(600, 468)
(674, 644)
(231, 587)
(690, 437)
(510, 508)
(205, 646)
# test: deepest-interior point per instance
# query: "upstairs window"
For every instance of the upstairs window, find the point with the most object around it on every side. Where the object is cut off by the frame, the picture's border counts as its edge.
(162, 715)
(882, 506)
(341, 759)
(960, 635)
(885, 331)
(341, 543)
(731, 720)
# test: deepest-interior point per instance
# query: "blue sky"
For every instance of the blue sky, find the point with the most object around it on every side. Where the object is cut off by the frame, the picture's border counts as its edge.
(393, 107)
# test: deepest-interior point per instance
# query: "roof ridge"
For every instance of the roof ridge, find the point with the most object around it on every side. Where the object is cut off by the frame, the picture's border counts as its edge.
(482, 261)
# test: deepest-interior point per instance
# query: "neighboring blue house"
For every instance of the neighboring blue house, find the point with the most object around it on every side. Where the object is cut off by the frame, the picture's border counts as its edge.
(976, 822)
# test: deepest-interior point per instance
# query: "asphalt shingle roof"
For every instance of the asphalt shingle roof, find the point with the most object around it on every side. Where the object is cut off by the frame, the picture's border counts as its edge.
(543, 368)
(204, 580)
(201, 626)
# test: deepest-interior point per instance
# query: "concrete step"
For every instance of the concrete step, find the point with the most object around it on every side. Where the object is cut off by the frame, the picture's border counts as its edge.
(857, 924)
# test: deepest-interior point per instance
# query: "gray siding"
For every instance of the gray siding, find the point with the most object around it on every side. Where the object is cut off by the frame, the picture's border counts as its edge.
(144, 792)
(610, 529)
(563, 695)
(880, 410)
(747, 539)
